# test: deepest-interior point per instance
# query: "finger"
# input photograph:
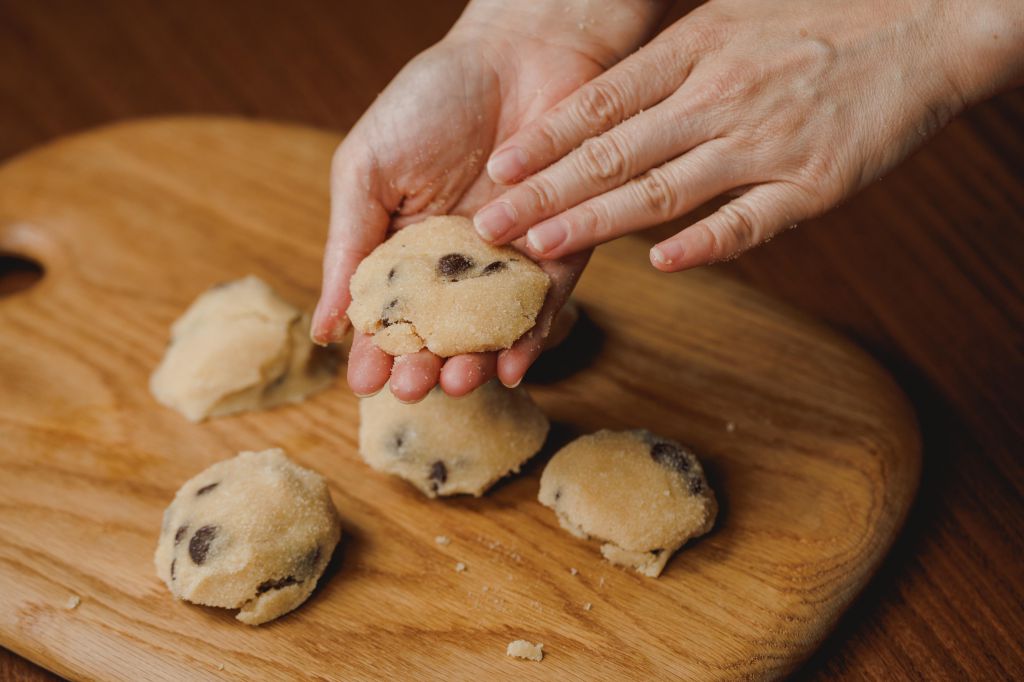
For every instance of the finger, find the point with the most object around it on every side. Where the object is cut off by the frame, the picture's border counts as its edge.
(636, 83)
(465, 373)
(413, 375)
(368, 366)
(739, 225)
(600, 164)
(655, 197)
(359, 221)
(564, 273)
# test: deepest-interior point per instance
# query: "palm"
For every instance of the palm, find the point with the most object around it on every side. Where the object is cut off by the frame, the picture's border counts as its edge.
(433, 129)
(421, 150)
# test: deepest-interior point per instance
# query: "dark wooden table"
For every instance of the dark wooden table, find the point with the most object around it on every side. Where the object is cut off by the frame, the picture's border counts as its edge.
(925, 270)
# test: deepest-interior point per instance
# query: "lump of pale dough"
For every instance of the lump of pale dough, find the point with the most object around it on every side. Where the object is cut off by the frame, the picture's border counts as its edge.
(252, 533)
(520, 648)
(445, 445)
(642, 495)
(238, 347)
(437, 285)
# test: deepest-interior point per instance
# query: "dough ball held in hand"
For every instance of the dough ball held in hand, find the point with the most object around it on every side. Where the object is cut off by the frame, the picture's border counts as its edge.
(437, 285)
(239, 347)
(446, 446)
(254, 533)
(642, 495)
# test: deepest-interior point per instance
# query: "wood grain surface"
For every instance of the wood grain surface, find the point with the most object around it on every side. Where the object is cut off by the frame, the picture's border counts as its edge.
(923, 269)
(812, 448)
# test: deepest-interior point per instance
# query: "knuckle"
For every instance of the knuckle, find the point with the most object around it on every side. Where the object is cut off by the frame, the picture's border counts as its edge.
(738, 233)
(546, 137)
(601, 157)
(599, 106)
(657, 195)
(704, 33)
(730, 85)
(540, 195)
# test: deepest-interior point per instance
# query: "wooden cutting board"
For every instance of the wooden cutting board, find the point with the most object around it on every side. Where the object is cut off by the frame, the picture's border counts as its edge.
(812, 449)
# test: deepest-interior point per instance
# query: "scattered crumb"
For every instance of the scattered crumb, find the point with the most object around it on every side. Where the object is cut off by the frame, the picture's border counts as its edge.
(588, 606)
(220, 666)
(573, 571)
(485, 588)
(523, 649)
(460, 567)
(601, 581)
(442, 540)
(730, 427)
(73, 602)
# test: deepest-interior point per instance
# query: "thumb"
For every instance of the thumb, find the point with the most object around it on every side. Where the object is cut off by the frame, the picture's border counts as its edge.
(359, 221)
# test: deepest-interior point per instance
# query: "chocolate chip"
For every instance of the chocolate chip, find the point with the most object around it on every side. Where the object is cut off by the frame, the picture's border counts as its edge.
(696, 485)
(391, 275)
(268, 585)
(558, 494)
(453, 264)
(199, 545)
(438, 475)
(180, 534)
(496, 266)
(387, 316)
(207, 488)
(174, 562)
(671, 456)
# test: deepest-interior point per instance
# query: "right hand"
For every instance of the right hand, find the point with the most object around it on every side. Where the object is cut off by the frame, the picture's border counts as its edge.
(421, 150)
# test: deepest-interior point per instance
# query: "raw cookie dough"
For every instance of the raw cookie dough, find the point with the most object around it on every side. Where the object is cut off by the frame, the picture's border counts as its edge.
(642, 495)
(520, 648)
(253, 533)
(445, 445)
(239, 346)
(437, 285)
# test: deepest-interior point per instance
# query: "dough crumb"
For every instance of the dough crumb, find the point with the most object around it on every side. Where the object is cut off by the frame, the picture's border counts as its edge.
(73, 602)
(442, 540)
(460, 567)
(520, 648)
(588, 606)
(573, 571)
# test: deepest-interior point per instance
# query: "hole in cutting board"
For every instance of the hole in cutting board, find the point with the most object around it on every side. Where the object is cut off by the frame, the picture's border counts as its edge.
(18, 273)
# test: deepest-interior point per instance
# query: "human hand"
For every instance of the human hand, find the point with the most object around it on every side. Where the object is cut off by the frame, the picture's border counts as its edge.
(420, 150)
(795, 104)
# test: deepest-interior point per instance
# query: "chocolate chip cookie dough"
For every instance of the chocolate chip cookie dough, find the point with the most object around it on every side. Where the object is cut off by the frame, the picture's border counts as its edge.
(445, 445)
(437, 285)
(252, 533)
(238, 347)
(642, 495)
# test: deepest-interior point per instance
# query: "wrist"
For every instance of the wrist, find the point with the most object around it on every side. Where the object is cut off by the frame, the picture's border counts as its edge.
(604, 31)
(989, 35)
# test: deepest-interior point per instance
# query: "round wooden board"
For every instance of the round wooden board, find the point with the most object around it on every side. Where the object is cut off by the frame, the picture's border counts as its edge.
(812, 449)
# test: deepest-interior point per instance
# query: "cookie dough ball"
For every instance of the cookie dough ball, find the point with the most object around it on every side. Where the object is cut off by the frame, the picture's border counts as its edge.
(445, 445)
(252, 533)
(437, 285)
(642, 495)
(239, 347)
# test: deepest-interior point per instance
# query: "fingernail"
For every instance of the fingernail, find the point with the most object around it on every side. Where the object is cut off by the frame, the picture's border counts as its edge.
(507, 165)
(512, 385)
(665, 254)
(543, 238)
(495, 220)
